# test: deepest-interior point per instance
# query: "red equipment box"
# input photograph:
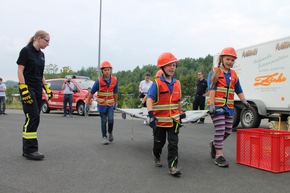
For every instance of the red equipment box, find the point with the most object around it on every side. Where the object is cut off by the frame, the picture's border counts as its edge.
(264, 149)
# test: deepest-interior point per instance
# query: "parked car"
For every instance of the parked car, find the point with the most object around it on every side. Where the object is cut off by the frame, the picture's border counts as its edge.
(80, 93)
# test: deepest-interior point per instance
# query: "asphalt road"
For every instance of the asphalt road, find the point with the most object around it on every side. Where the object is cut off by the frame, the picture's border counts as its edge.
(76, 161)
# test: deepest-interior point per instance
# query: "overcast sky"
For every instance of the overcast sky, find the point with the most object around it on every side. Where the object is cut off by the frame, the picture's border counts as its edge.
(135, 32)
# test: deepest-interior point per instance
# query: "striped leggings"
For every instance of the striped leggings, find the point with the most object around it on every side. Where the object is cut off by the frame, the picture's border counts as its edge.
(223, 128)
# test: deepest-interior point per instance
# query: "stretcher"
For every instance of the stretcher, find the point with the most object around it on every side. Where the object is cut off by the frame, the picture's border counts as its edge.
(142, 113)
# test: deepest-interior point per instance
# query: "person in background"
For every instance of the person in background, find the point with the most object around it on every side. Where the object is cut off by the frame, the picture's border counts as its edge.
(31, 64)
(143, 89)
(199, 99)
(107, 99)
(164, 108)
(2, 97)
(67, 88)
(223, 83)
(88, 105)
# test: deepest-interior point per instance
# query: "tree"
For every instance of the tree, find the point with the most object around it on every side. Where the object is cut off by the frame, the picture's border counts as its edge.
(51, 71)
(91, 72)
(66, 70)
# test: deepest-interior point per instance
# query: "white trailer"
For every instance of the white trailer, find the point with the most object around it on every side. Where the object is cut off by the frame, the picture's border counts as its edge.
(264, 73)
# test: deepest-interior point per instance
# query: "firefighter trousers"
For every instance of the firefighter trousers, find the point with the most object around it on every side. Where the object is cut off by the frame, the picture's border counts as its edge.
(172, 137)
(32, 119)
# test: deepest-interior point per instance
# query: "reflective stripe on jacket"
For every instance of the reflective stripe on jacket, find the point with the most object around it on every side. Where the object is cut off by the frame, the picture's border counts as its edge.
(224, 94)
(105, 95)
(166, 106)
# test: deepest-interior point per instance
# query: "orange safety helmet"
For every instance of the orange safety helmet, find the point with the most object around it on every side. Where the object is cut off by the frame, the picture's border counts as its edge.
(166, 58)
(229, 51)
(159, 73)
(106, 64)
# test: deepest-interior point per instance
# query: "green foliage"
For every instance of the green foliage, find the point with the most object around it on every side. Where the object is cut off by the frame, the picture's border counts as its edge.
(51, 71)
(91, 72)
(65, 71)
(10, 90)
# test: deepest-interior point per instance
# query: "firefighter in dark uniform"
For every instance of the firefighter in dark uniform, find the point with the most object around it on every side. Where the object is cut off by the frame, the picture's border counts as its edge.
(199, 98)
(31, 81)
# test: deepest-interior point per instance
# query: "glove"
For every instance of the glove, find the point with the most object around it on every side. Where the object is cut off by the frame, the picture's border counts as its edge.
(115, 105)
(25, 94)
(246, 104)
(182, 115)
(48, 91)
(152, 120)
(211, 109)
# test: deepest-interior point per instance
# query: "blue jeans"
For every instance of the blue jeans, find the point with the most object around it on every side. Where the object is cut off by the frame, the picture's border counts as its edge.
(107, 116)
(67, 98)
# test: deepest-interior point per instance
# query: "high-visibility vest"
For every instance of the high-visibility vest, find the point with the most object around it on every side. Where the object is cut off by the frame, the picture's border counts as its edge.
(224, 94)
(165, 108)
(105, 95)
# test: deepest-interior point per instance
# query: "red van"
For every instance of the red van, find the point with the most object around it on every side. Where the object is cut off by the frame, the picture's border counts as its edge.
(80, 93)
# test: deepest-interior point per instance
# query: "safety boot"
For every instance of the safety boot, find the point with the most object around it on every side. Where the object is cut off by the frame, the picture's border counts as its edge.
(33, 156)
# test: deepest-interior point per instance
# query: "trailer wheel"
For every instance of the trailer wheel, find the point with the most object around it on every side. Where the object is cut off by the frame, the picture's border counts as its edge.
(250, 118)
(237, 119)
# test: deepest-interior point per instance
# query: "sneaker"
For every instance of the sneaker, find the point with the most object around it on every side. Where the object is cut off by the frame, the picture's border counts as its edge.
(105, 141)
(158, 162)
(221, 162)
(174, 171)
(200, 122)
(212, 149)
(111, 137)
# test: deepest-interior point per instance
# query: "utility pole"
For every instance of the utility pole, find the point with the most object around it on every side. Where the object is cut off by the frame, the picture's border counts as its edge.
(100, 26)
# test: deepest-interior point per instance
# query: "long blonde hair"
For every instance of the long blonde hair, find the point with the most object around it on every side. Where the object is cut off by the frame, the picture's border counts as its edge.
(216, 72)
(39, 33)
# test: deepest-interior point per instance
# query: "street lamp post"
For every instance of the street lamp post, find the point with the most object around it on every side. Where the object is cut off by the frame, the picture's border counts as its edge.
(100, 25)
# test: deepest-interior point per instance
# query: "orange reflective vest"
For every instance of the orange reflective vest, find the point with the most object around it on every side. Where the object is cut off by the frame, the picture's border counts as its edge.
(105, 95)
(224, 94)
(165, 108)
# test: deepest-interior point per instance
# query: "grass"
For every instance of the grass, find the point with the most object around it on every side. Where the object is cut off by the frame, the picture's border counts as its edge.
(14, 106)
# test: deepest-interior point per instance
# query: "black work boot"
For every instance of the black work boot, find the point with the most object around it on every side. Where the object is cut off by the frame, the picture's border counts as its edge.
(33, 156)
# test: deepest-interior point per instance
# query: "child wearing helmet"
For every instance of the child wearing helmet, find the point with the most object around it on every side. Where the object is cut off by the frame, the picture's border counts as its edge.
(107, 99)
(223, 83)
(163, 105)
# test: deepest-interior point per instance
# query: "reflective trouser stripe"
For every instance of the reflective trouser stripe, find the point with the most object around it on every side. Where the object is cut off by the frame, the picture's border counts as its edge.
(173, 162)
(28, 135)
